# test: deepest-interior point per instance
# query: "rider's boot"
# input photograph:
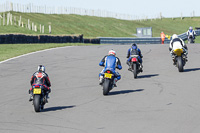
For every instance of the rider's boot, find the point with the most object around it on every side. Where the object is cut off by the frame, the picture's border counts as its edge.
(31, 98)
(141, 66)
(173, 59)
(101, 80)
(185, 56)
(31, 95)
(47, 97)
(129, 65)
(115, 81)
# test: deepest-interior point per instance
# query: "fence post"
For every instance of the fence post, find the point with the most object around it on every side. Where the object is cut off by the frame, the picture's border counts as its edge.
(50, 28)
(11, 19)
(40, 28)
(14, 20)
(43, 29)
(8, 18)
(20, 19)
(32, 26)
(11, 6)
(29, 26)
(35, 28)
(160, 15)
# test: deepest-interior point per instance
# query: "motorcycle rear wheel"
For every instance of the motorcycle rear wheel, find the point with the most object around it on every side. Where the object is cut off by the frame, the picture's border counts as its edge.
(106, 85)
(135, 70)
(180, 64)
(36, 103)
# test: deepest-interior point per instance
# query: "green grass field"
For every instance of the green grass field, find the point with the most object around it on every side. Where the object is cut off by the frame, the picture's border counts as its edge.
(92, 27)
(89, 26)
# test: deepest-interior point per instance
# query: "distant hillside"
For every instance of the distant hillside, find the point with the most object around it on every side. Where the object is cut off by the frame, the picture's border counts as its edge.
(98, 27)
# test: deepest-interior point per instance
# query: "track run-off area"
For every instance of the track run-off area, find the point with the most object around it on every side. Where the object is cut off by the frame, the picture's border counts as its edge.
(160, 100)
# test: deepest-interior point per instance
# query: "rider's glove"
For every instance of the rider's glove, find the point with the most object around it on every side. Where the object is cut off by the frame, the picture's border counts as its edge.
(119, 67)
(101, 63)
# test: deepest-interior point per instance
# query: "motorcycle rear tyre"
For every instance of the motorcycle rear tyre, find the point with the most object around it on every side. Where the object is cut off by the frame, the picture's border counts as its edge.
(106, 85)
(135, 70)
(36, 103)
(180, 64)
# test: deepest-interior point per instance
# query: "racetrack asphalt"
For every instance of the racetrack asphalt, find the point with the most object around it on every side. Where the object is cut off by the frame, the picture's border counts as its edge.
(160, 100)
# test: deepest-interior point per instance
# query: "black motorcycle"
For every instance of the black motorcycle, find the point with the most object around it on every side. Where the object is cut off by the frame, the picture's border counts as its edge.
(39, 97)
(190, 38)
(180, 59)
(108, 82)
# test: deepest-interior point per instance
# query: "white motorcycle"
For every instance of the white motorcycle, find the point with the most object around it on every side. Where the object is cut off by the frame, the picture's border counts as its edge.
(190, 38)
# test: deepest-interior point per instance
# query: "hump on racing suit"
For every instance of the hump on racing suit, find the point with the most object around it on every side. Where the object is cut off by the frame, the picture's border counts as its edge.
(110, 63)
(40, 78)
(177, 40)
(134, 51)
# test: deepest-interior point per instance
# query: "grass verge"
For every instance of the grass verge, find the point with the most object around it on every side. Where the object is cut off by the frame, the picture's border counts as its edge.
(12, 50)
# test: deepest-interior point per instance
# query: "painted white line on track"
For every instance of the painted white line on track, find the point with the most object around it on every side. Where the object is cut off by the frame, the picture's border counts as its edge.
(34, 53)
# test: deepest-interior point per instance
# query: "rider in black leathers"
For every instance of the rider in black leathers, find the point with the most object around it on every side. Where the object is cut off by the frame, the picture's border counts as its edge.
(40, 78)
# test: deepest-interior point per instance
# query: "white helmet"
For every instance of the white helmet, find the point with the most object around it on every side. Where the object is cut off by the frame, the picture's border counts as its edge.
(190, 28)
(111, 52)
(174, 36)
(41, 68)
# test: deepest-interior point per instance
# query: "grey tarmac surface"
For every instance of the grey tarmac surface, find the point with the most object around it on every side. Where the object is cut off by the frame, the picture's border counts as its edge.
(161, 100)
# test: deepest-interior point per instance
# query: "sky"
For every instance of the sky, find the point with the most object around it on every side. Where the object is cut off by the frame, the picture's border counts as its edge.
(139, 8)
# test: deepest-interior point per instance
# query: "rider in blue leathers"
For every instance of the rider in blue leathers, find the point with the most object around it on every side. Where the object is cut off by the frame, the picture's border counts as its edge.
(134, 50)
(110, 62)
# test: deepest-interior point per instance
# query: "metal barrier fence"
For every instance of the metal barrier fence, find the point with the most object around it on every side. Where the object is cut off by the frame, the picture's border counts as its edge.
(125, 40)
(143, 40)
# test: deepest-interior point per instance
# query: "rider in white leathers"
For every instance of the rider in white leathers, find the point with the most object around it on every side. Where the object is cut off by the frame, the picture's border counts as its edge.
(192, 32)
(177, 43)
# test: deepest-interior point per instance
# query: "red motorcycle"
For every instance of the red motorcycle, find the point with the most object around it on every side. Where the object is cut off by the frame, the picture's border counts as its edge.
(135, 65)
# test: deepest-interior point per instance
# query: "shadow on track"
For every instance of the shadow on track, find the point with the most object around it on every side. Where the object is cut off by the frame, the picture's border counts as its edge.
(147, 76)
(56, 108)
(124, 92)
(192, 69)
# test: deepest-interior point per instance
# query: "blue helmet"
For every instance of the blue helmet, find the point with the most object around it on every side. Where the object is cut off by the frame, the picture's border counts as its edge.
(134, 46)
(190, 29)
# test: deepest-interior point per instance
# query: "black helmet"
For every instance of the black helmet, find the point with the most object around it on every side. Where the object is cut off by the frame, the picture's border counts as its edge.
(41, 68)
(134, 44)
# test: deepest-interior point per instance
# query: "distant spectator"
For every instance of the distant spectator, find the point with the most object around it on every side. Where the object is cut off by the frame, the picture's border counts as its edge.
(162, 35)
